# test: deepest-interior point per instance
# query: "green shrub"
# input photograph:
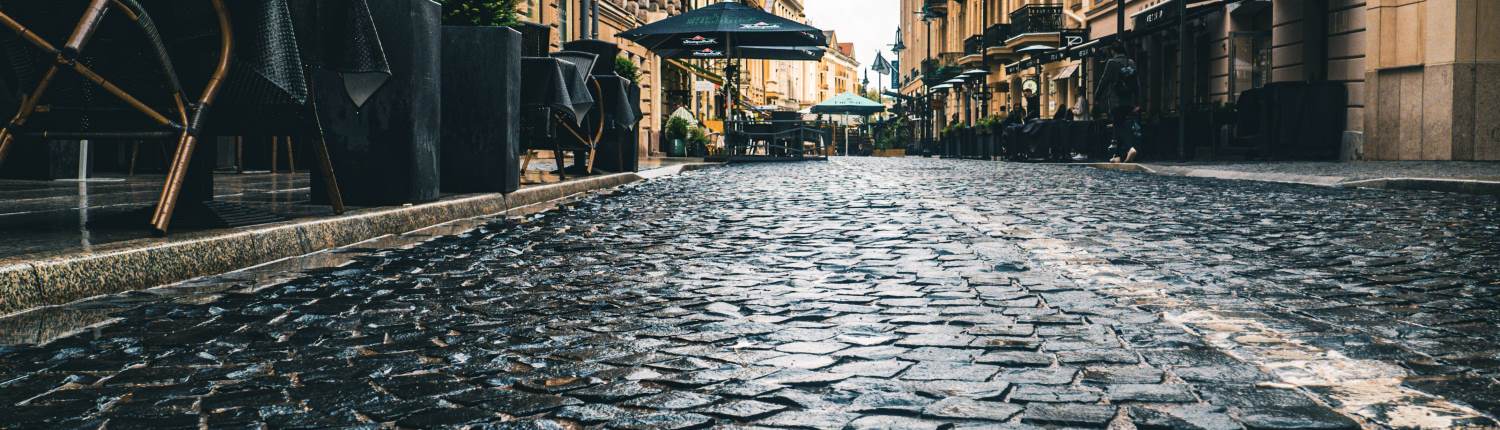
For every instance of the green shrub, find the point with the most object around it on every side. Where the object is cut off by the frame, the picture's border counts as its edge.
(479, 12)
(626, 68)
(698, 136)
(677, 128)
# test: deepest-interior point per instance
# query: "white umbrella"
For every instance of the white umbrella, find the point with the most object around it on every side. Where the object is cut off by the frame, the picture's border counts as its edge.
(684, 114)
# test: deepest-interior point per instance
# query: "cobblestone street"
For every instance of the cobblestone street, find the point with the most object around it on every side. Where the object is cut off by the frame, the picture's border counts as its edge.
(853, 293)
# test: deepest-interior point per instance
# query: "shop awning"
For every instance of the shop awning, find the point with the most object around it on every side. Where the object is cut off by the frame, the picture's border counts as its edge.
(1163, 14)
(1067, 72)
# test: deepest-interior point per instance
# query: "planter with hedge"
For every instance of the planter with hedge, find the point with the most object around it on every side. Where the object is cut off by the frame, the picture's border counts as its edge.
(481, 96)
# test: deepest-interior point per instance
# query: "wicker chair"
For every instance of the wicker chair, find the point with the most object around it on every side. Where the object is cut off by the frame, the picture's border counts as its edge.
(172, 116)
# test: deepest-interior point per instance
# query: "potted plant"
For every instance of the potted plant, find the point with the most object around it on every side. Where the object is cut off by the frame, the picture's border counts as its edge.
(481, 74)
(699, 140)
(627, 69)
(677, 134)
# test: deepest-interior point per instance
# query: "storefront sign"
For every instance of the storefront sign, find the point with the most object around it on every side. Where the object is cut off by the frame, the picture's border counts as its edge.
(1074, 37)
(1159, 15)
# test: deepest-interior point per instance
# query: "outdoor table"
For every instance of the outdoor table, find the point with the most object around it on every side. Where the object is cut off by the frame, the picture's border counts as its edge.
(555, 84)
(619, 102)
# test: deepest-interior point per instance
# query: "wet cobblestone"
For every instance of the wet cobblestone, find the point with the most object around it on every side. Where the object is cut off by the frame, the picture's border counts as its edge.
(857, 293)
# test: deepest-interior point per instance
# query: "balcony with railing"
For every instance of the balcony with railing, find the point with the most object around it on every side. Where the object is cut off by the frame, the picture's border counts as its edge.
(1037, 18)
(974, 45)
(936, 71)
(935, 8)
(995, 35)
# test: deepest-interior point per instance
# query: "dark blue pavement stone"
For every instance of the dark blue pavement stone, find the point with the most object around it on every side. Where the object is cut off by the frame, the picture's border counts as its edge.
(672, 400)
(742, 409)
(1122, 375)
(1052, 394)
(1304, 417)
(890, 402)
(1067, 414)
(1196, 417)
(857, 293)
(661, 420)
(812, 419)
(1150, 393)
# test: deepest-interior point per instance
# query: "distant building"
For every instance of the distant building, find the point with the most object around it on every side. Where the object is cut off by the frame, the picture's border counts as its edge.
(1419, 74)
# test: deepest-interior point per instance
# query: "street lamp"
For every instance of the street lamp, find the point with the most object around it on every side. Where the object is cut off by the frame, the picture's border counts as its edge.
(978, 87)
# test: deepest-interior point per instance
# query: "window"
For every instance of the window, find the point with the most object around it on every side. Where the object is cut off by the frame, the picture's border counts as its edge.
(563, 21)
(1250, 61)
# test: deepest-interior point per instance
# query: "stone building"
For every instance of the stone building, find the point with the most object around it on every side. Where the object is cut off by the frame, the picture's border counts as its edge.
(669, 84)
(1421, 76)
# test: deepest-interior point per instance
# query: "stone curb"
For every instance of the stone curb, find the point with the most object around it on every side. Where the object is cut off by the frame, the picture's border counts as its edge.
(1462, 186)
(146, 263)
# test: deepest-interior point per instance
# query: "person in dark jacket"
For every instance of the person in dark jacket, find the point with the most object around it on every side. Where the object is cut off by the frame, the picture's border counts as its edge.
(1033, 104)
(1119, 88)
(1063, 113)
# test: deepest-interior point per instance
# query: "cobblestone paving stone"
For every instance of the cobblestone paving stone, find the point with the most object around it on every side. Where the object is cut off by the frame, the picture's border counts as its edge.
(856, 293)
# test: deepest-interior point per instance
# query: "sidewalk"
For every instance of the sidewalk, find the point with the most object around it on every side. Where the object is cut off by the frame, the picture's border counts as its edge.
(1470, 177)
(63, 244)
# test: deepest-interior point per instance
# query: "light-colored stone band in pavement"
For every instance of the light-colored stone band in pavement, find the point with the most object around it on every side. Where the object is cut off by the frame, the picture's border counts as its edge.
(1451, 185)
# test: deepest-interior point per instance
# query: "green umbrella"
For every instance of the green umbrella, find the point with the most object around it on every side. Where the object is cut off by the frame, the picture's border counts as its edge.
(848, 104)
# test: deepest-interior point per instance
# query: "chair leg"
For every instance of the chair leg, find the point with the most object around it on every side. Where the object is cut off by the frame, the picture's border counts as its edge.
(167, 204)
(291, 158)
(562, 172)
(135, 152)
(325, 163)
(526, 161)
(28, 105)
(588, 169)
(171, 190)
(274, 158)
(239, 154)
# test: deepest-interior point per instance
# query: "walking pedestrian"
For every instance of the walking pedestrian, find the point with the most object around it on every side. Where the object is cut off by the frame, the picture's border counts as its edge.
(1119, 89)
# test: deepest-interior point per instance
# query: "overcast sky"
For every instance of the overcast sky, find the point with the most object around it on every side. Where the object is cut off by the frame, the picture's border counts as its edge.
(870, 24)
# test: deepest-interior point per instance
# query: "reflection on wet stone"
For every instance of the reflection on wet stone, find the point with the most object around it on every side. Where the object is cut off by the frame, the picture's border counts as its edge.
(902, 293)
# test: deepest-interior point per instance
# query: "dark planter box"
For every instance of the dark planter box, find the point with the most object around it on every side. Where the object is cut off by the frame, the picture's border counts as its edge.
(481, 109)
(386, 152)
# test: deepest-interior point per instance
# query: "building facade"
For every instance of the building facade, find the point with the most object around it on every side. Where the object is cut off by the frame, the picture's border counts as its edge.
(668, 85)
(1419, 76)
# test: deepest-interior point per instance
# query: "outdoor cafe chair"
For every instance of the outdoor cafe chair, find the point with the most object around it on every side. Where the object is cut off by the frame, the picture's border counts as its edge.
(577, 136)
(167, 107)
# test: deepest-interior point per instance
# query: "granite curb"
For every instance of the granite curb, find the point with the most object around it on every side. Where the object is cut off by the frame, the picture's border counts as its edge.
(146, 263)
(1449, 185)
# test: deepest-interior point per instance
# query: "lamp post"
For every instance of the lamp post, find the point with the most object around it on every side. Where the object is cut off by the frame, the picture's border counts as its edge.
(1183, 86)
(927, 129)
